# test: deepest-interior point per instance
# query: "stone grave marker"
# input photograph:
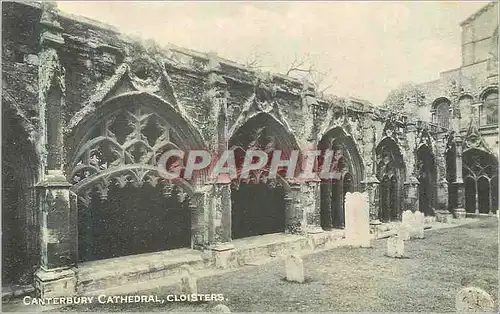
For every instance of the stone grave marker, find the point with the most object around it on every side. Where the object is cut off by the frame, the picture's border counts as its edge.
(473, 299)
(221, 308)
(406, 225)
(188, 283)
(357, 219)
(419, 224)
(395, 247)
(294, 268)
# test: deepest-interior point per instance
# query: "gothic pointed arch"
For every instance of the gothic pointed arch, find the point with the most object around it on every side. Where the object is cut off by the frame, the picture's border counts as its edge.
(426, 175)
(390, 171)
(258, 202)
(480, 173)
(488, 114)
(114, 172)
(129, 131)
(263, 131)
(350, 166)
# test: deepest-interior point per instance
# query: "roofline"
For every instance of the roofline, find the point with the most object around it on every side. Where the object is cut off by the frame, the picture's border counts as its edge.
(477, 13)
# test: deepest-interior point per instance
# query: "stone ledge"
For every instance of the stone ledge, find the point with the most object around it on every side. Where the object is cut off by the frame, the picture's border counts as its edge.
(222, 247)
(50, 275)
(104, 274)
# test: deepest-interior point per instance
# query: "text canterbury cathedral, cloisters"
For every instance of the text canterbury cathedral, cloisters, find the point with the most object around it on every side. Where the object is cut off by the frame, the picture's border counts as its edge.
(92, 112)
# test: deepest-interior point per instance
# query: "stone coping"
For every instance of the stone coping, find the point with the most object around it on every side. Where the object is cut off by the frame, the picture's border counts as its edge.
(140, 262)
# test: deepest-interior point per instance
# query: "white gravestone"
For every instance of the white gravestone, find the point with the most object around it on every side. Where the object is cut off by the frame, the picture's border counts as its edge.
(419, 224)
(221, 308)
(395, 247)
(188, 283)
(357, 219)
(406, 225)
(473, 299)
(294, 268)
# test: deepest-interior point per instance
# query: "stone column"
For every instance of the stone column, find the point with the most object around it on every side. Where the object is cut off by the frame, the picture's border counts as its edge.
(211, 221)
(477, 200)
(200, 200)
(313, 213)
(459, 212)
(58, 237)
(222, 218)
(219, 222)
(326, 199)
(442, 188)
(411, 200)
(371, 187)
(304, 213)
(293, 212)
(57, 204)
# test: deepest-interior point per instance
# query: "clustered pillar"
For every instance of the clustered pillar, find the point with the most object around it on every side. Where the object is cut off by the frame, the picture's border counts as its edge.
(56, 203)
(459, 212)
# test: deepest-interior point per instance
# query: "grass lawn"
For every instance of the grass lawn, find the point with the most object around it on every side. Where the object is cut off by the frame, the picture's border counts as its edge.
(360, 279)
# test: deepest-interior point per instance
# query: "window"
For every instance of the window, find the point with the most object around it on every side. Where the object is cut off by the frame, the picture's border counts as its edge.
(443, 114)
(490, 109)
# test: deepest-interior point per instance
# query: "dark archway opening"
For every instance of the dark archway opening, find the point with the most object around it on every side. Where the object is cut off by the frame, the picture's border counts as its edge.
(258, 202)
(386, 199)
(391, 174)
(20, 244)
(483, 197)
(133, 220)
(451, 176)
(427, 180)
(125, 206)
(480, 170)
(349, 167)
(257, 209)
(470, 195)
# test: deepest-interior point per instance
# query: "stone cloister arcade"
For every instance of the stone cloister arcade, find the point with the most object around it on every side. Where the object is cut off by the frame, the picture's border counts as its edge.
(81, 174)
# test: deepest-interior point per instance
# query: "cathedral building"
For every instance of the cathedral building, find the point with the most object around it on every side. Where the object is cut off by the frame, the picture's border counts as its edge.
(87, 111)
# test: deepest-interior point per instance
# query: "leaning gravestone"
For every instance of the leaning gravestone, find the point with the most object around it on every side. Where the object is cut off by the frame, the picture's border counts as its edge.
(395, 247)
(419, 224)
(357, 219)
(294, 268)
(473, 299)
(188, 283)
(221, 308)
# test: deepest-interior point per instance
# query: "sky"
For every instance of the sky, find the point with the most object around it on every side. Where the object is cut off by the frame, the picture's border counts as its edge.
(361, 49)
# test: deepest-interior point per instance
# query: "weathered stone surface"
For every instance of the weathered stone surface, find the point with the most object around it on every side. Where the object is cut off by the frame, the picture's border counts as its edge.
(294, 269)
(404, 232)
(223, 255)
(357, 219)
(406, 227)
(473, 299)
(395, 247)
(444, 216)
(188, 284)
(60, 283)
(221, 308)
(418, 225)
